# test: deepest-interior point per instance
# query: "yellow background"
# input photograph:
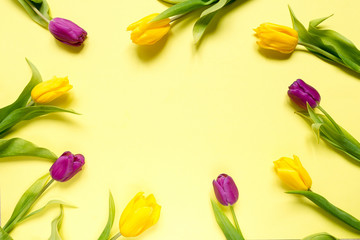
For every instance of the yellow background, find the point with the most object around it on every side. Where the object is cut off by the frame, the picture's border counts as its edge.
(168, 119)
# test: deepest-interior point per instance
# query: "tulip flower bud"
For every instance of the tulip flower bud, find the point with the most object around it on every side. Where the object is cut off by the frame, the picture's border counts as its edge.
(302, 93)
(67, 32)
(292, 173)
(145, 32)
(47, 91)
(276, 37)
(66, 166)
(140, 214)
(225, 190)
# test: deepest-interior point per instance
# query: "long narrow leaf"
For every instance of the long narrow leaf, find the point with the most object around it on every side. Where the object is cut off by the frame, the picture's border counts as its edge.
(327, 44)
(224, 223)
(27, 113)
(320, 236)
(26, 202)
(24, 97)
(205, 19)
(42, 7)
(56, 225)
(49, 204)
(20, 147)
(183, 8)
(330, 208)
(4, 235)
(105, 235)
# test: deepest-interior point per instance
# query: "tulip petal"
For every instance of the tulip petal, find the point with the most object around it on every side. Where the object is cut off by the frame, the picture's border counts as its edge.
(231, 191)
(219, 193)
(292, 179)
(130, 208)
(62, 168)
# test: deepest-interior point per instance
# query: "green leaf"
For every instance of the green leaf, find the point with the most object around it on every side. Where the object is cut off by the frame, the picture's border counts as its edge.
(49, 204)
(224, 223)
(201, 25)
(4, 235)
(205, 18)
(42, 6)
(320, 236)
(183, 8)
(330, 208)
(20, 147)
(56, 225)
(27, 113)
(25, 95)
(327, 44)
(105, 235)
(333, 133)
(26, 201)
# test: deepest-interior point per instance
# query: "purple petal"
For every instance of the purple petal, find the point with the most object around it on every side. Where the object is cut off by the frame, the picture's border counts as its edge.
(62, 168)
(231, 191)
(219, 193)
(67, 32)
(302, 93)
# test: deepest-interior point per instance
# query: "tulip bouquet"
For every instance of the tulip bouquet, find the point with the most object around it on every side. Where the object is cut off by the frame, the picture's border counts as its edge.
(28, 106)
(62, 29)
(306, 97)
(152, 28)
(62, 170)
(327, 44)
(293, 174)
(227, 194)
(140, 214)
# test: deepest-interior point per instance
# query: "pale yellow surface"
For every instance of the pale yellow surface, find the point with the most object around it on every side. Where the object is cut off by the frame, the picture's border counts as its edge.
(168, 119)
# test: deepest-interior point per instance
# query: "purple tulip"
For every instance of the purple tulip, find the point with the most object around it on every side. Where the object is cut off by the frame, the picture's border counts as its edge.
(66, 166)
(225, 190)
(67, 32)
(302, 93)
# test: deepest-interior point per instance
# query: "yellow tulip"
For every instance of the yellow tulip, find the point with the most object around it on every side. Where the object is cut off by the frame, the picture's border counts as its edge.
(47, 91)
(276, 37)
(145, 32)
(293, 173)
(140, 214)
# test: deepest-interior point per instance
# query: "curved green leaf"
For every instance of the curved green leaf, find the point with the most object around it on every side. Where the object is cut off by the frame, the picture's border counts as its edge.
(183, 8)
(41, 6)
(327, 44)
(20, 147)
(206, 17)
(224, 223)
(49, 204)
(56, 225)
(4, 235)
(105, 235)
(333, 133)
(25, 95)
(330, 208)
(26, 201)
(320, 236)
(27, 113)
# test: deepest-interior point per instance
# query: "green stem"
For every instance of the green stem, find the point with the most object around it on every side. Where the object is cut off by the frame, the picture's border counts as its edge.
(10, 226)
(321, 51)
(116, 236)
(330, 208)
(236, 221)
(331, 119)
(37, 11)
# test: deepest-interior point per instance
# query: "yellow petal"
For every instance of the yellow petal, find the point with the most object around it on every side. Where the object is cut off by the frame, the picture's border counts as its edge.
(129, 209)
(135, 225)
(292, 179)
